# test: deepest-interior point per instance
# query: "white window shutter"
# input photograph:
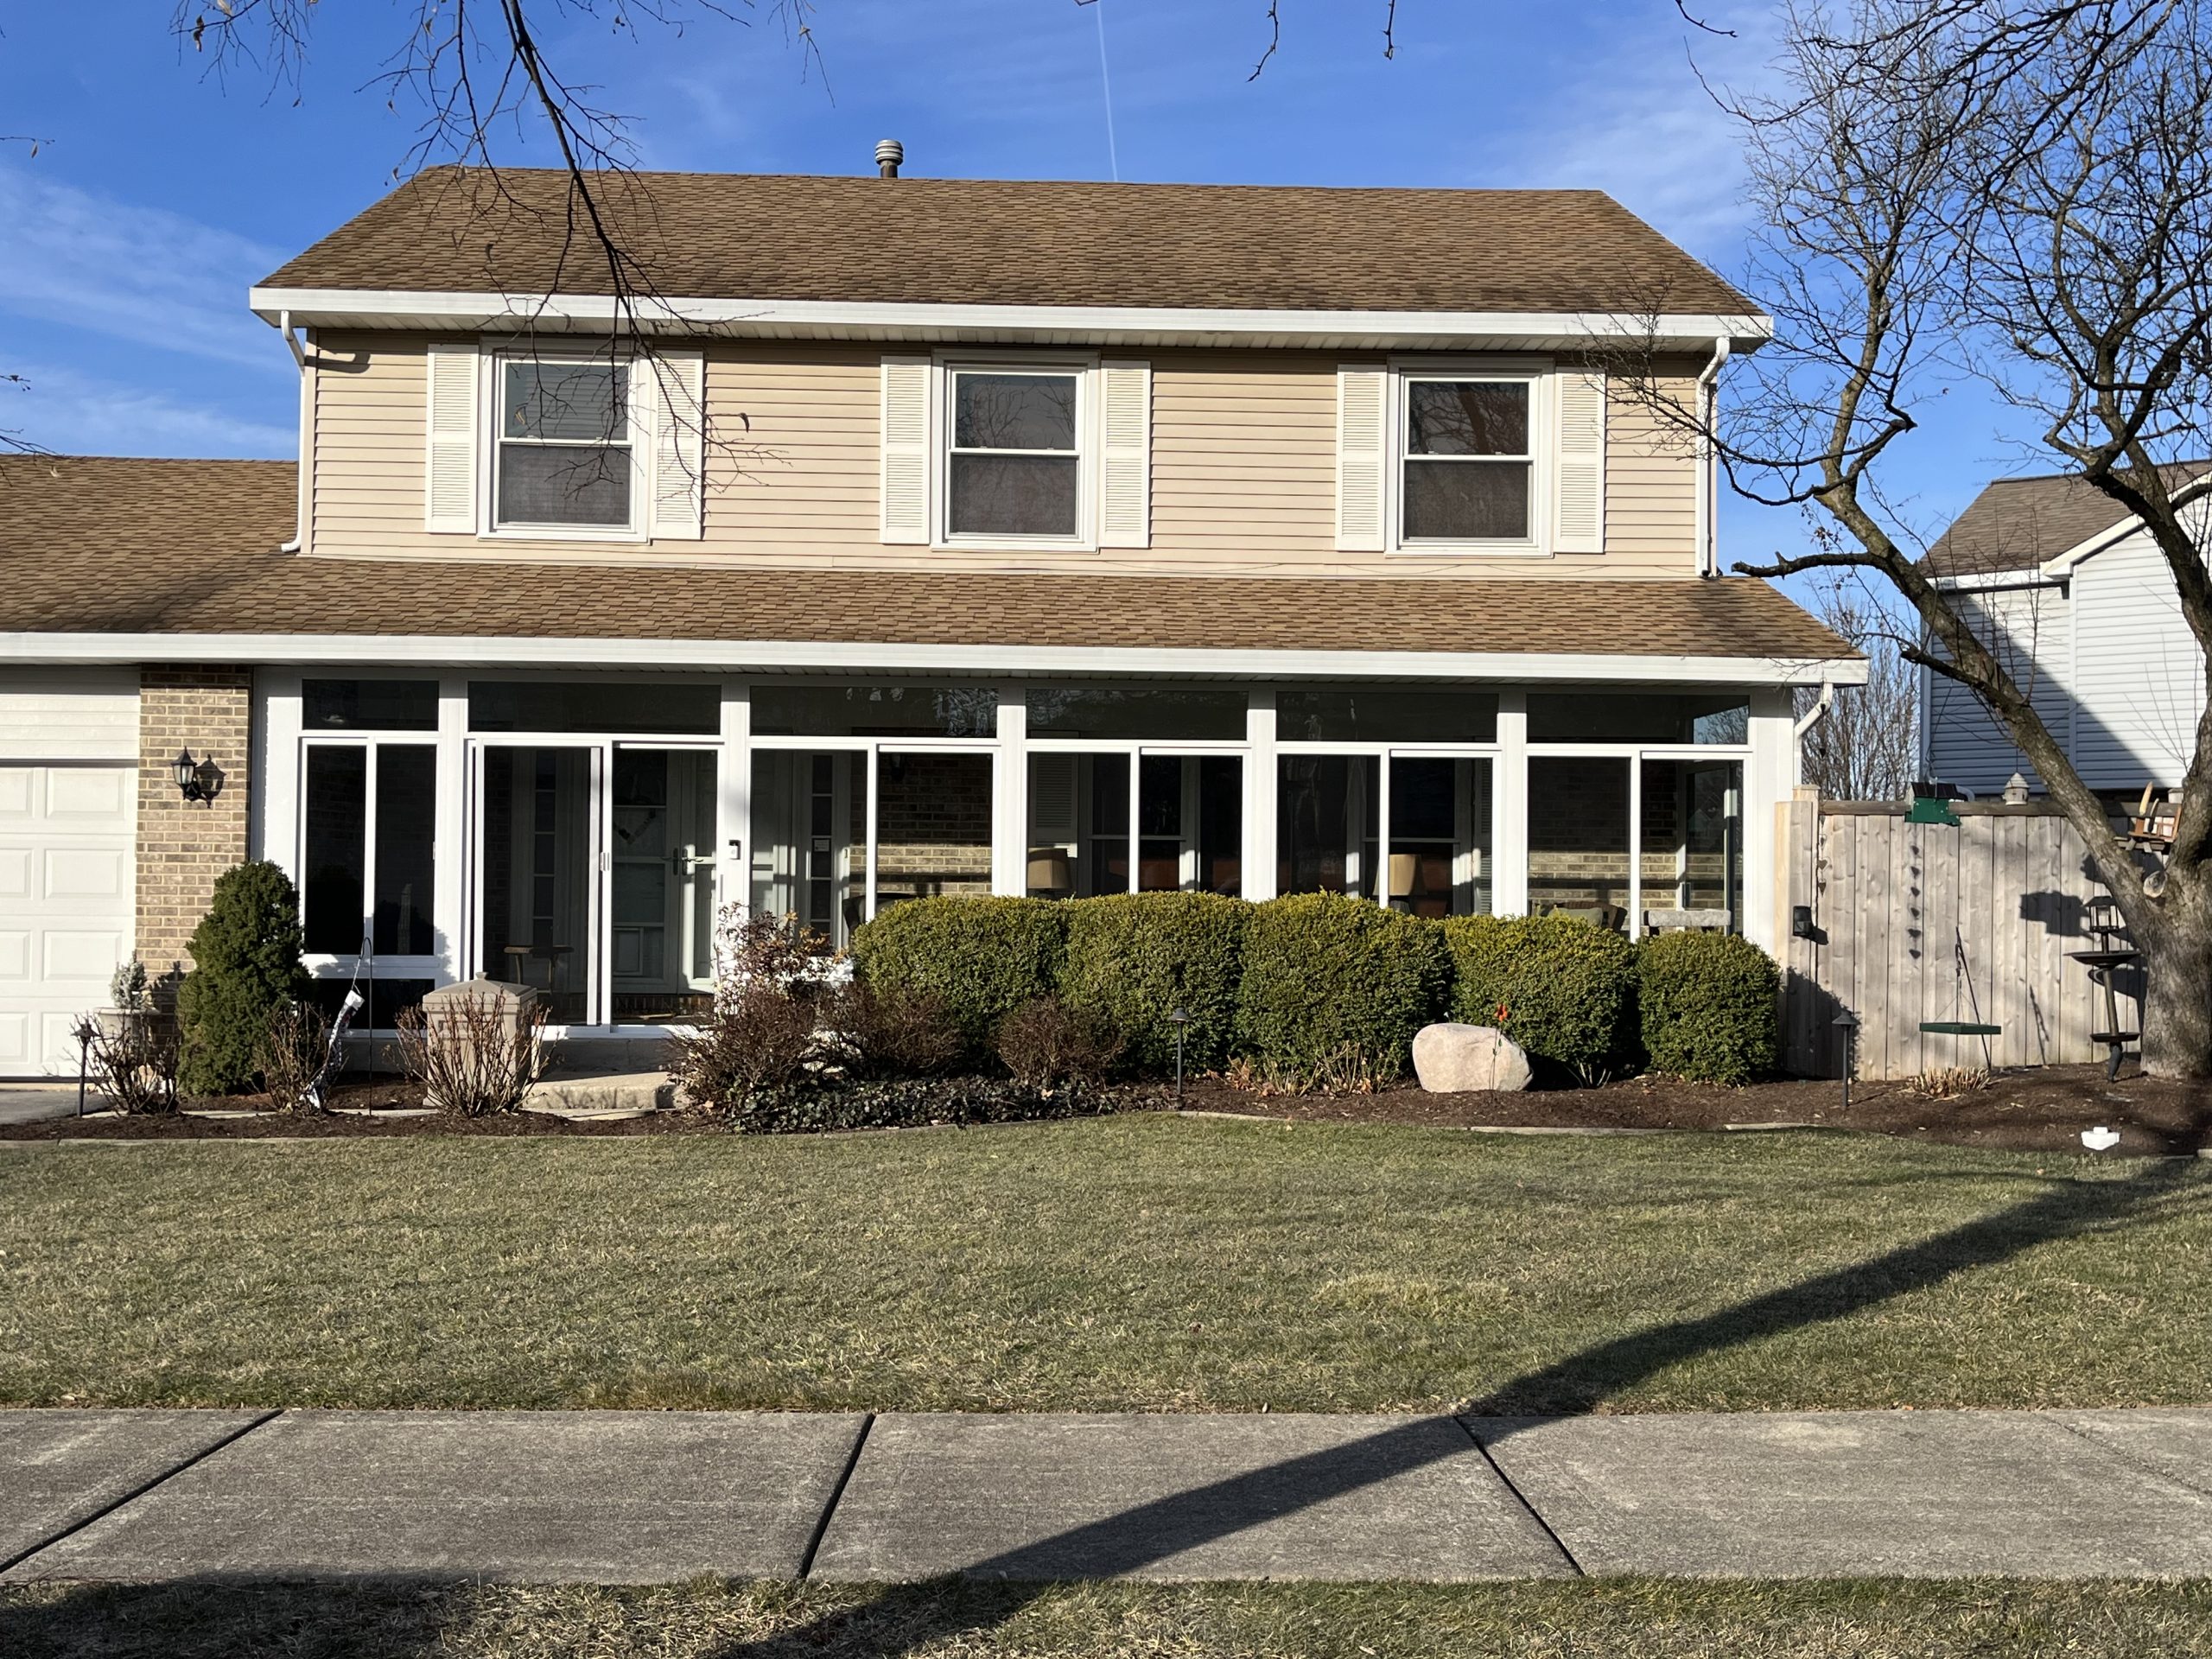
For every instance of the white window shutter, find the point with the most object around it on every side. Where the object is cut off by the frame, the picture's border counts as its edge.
(1579, 464)
(449, 462)
(1125, 492)
(675, 387)
(905, 481)
(1361, 403)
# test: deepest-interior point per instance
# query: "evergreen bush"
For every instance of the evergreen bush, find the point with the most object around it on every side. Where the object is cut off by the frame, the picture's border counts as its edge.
(1561, 988)
(1132, 958)
(245, 955)
(1333, 987)
(1708, 1004)
(977, 959)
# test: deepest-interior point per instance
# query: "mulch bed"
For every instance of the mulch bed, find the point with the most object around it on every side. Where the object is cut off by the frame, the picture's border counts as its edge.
(2039, 1110)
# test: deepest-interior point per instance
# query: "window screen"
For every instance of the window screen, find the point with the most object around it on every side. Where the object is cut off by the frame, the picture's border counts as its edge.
(564, 444)
(1468, 465)
(1014, 467)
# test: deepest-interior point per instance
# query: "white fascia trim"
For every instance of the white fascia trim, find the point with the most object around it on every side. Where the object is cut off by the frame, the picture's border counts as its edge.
(1105, 324)
(761, 656)
(1998, 582)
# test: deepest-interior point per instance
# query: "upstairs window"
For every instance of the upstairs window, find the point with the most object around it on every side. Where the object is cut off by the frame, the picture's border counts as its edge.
(1470, 463)
(564, 451)
(1015, 462)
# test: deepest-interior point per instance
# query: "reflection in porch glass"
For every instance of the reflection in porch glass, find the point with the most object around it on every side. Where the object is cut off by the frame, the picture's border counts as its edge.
(1440, 835)
(1078, 825)
(1328, 811)
(537, 874)
(1693, 848)
(664, 884)
(1578, 837)
(809, 839)
(933, 826)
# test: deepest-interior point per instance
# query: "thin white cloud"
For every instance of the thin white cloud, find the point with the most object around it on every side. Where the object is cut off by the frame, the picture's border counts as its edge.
(134, 273)
(1638, 124)
(73, 413)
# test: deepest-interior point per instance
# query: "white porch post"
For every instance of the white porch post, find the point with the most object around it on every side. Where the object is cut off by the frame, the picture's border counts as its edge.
(733, 799)
(1769, 776)
(1259, 881)
(1509, 808)
(276, 769)
(452, 894)
(1010, 794)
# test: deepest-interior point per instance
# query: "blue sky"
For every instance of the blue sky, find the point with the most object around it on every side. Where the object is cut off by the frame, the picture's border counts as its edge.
(159, 192)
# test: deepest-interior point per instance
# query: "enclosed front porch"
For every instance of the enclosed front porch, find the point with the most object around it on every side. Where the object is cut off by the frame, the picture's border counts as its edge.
(579, 832)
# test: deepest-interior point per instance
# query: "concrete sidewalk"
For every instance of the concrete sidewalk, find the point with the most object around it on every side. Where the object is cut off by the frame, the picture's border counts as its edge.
(644, 1497)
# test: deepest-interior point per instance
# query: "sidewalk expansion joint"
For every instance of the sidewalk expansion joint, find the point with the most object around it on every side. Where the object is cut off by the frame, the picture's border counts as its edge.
(836, 1496)
(11, 1562)
(1521, 1498)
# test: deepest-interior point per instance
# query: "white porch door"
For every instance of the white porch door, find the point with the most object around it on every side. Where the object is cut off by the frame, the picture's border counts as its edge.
(67, 890)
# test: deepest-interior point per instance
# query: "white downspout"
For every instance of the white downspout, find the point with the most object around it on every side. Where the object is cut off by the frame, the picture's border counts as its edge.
(1806, 722)
(307, 462)
(1708, 478)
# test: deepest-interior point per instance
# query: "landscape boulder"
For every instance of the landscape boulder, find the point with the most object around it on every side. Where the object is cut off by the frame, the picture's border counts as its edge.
(1452, 1058)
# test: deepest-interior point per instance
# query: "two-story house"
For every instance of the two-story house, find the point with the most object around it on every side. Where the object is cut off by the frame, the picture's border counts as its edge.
(944, 537)
(2070, 591)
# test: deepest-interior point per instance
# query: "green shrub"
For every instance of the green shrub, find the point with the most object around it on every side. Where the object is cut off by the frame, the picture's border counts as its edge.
(245, 955)
(1135, 957)
(1708, 1002)
(977, 959)
(1334, 987)
(1562, 987)
(817, 1106)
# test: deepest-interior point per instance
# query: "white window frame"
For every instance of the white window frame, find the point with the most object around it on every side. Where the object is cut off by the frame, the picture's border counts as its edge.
(491, 399)
(1540, 376)
(943, 368)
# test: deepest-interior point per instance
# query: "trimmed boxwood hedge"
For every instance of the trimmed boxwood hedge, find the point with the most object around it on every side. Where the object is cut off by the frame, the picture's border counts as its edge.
(1135, 957)
(979, 958)
(1562, 987)
(1335, 987)
(1708, 1003)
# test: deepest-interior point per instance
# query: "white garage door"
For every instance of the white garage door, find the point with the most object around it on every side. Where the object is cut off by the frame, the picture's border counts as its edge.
(66, 904)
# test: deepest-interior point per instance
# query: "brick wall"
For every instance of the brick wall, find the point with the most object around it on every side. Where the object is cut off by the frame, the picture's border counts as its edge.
(184, 845)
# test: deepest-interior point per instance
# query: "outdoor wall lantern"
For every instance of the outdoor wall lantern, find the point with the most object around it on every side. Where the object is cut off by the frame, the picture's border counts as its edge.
(198, 780)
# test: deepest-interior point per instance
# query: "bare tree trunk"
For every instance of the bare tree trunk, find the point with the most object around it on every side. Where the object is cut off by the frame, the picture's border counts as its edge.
(2177, 949)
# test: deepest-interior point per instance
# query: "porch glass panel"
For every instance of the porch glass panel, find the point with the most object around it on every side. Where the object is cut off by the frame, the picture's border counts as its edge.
(1355, 714)
(369, 705)
(1578, 837)
(671, 708)
(932, 825)
(336, 812)
(1189, 823)
(1159, 714)
(400, 922)
(809, 844)
(1078, 825)
(1639, 717)
(1692, 845)
(1328, 817)
(663, 867)
(1440, 836)
(782, 711)
(538, 864)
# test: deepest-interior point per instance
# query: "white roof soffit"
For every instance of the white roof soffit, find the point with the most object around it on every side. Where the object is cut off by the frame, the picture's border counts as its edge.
(748, 657)
(1028, 324)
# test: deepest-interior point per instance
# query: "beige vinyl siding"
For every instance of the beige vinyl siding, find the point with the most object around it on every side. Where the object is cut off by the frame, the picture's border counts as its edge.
(1243, 471)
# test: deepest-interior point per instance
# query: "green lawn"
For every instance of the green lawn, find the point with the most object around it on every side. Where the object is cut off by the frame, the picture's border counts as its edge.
(1599, 1619)
(1144, 1261)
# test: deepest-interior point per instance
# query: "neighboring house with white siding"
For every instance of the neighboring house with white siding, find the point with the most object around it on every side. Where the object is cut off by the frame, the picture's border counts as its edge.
(2073, 594)
(954, 536)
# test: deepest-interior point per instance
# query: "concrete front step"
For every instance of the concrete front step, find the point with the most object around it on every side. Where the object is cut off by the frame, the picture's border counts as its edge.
(601, 1094)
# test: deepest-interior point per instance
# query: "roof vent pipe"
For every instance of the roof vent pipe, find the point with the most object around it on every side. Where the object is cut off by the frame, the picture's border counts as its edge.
(889, 152)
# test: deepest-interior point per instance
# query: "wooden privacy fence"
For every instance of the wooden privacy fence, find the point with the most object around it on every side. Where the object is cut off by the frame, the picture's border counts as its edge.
(1916, 923)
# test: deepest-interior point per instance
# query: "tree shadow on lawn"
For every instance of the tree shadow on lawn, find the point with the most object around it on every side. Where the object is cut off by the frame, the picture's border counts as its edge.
(392, 1621)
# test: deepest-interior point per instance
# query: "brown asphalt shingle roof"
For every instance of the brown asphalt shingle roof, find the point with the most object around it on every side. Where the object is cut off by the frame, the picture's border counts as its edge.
(96, 544)
(2017, 523)
(1004, 242)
